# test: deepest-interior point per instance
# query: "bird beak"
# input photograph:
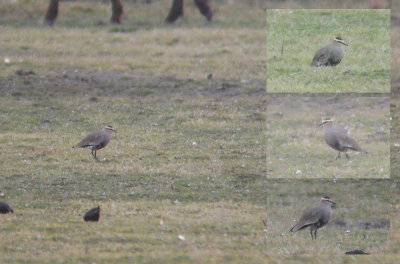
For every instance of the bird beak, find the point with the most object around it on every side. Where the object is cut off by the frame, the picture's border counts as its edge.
(320, 124)
(332, 202)
(344, 43)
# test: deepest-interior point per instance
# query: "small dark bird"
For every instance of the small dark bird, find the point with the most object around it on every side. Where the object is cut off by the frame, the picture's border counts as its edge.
(92, 215)
(97, 140)
(5, 208)
(356, 252)
(315, 217)
(330, 55)
(336, 137)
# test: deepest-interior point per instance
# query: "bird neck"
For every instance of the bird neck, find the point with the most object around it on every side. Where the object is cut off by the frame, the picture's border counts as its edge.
(337, 44)
(325, 203)
(108, 131)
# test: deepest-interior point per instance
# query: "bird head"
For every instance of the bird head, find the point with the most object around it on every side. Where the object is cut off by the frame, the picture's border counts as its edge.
(327, 200)
(340, 40)
(110, 128)
(326, 121)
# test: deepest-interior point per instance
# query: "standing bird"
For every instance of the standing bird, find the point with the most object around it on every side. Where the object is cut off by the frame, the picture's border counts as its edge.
(97, 140)
(5, 208)
(330, 55)
(92, 215)
(336, 137)
(315, 217)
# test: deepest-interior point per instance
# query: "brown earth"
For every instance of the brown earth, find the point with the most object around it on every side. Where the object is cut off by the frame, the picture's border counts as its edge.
(74, 82)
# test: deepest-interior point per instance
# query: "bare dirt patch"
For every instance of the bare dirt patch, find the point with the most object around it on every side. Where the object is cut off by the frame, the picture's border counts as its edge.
(75, 82)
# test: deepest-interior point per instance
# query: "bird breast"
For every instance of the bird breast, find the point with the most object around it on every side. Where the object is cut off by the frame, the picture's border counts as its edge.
(337, 52)
(326, 215)
(333, 134)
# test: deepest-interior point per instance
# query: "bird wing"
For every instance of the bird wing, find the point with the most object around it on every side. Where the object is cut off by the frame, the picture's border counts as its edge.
(347, 142)
(321, 57)
(340, 130)
(91, 140)
(310, 217)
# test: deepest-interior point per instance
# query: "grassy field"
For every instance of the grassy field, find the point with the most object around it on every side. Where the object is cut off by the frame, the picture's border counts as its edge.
(293, 37)
(328, 4)
(183, 181)
(360, 217)
(145, 231)
(191, 48)
(295, 143)
(395, 76)
(395, 137)
(395, 219)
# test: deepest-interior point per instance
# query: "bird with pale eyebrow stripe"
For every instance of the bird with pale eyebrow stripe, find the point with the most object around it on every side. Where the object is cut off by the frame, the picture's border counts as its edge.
(97, 140)
(315, 217)
(330, 55)
(336, 137)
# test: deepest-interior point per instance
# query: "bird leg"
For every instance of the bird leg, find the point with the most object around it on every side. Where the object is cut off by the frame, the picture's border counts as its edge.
(338, 156)
(315, 232)
(347, 156)
(94, 155)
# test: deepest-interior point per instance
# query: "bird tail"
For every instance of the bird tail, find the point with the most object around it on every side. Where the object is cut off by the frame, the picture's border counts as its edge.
(295, 228)
(355, 147)
(359, 149)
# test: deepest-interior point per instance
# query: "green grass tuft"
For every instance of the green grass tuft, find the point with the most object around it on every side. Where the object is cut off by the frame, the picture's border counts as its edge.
(293, 37)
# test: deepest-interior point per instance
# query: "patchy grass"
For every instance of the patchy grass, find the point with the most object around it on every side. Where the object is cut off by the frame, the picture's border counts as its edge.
(191, 48)
(293, 37)
(155, 52)
(296, 147)
(147, 231)
(334, 259)
(178, 148)
(328, 4)
(197, 147)
(360, 218)
(189, 156)
(395, 218)
(138, 15)
(395, 76)
(177, 166)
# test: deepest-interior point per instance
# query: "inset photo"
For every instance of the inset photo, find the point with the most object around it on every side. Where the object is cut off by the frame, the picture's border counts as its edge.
(328, 51)
(324, 217)
(330, 136)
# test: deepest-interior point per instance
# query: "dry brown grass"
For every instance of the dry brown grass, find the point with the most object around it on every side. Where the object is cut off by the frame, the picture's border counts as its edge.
(157, 231)
(183, 53)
